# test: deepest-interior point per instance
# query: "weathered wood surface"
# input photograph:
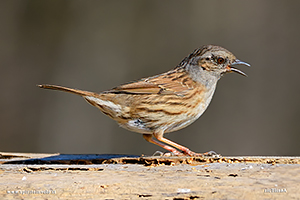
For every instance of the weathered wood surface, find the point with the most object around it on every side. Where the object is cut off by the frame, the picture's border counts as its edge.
(53, 176)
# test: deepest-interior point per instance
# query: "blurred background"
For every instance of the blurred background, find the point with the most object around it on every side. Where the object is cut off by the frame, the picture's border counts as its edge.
(97, 45)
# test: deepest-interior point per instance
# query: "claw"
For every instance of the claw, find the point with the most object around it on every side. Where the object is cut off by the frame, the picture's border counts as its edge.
(212, 154)
(158, 153)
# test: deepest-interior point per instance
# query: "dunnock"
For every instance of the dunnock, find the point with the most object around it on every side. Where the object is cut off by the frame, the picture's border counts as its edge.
(166, 102)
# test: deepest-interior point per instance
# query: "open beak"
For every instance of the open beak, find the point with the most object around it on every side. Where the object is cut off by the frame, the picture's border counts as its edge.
(237, 62)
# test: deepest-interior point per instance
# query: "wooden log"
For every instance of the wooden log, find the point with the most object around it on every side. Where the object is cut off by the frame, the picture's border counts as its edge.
(106, 176)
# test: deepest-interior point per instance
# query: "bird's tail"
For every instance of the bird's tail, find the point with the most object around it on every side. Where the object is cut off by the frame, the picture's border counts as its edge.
(65, 89)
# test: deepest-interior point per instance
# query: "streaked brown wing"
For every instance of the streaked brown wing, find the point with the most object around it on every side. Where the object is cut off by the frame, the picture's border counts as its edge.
(173, 82)
(139, 87)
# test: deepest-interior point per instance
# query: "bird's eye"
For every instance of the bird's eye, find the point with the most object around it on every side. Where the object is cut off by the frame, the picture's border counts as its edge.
(220, 60)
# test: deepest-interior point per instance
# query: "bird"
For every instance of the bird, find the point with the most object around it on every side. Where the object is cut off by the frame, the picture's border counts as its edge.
(165, 102)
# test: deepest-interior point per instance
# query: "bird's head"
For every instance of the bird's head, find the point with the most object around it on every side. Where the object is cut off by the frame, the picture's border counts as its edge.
(216, 60)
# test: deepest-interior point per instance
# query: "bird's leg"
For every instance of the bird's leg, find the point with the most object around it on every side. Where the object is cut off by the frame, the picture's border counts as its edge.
(149, 138)
(159, 136)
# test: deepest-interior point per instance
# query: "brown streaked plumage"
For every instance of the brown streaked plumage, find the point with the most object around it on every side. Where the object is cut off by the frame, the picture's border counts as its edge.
(166, 102)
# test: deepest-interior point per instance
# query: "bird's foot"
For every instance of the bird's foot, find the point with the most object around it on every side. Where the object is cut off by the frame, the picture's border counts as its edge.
(212, 154)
